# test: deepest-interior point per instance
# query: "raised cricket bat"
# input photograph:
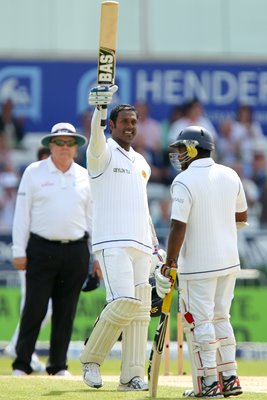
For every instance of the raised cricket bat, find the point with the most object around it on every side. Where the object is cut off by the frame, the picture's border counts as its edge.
(158, 343)
(107, 43)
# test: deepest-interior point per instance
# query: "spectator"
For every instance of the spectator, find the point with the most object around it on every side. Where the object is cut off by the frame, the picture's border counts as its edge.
(6, 163)
(85, 130)
(8, 187)
(162, 219)
(259, 168)
(227, 148)
(248, 132)
(263, 211)
(168, 173)
(148, 141)
(193, 115)
(155, 159)
(252, 194)
(176, 113)
(43, 153)
(52, 226)
(11, 126)
(149, 130)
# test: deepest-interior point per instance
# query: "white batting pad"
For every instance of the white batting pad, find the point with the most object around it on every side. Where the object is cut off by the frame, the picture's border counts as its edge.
(196, 352)
(113, 319)
(226, 356)
(134, 338)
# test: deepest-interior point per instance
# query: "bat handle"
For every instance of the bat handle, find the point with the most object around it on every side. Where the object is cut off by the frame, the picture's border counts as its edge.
(104, 114)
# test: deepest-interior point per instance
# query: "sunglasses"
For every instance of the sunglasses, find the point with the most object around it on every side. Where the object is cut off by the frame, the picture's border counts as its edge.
(61, 143)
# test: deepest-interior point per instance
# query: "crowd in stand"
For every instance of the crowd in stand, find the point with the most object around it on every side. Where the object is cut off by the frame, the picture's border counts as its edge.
(240, 144)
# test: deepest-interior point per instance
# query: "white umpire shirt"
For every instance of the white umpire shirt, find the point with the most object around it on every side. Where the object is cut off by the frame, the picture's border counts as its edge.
(206, 197)
(119, 188)
(52, 204)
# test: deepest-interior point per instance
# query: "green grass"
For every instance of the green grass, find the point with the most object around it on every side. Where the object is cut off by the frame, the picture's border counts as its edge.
(112, 367)
(29, 389)
(35, 387)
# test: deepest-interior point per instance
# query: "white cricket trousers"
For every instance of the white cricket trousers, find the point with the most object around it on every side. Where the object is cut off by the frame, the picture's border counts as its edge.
(123, 268)
(209, 301)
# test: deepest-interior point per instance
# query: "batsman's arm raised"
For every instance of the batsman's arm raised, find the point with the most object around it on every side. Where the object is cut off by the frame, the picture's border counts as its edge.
(98, 153)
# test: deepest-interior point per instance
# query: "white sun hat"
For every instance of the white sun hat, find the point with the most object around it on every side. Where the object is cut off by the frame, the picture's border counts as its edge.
(63, 129)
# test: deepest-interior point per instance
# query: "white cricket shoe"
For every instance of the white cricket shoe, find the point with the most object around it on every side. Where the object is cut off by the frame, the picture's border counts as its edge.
(135, 383)
(91, 375)
(63, 372)
(18, 372)
(10, 351)
(36, 364)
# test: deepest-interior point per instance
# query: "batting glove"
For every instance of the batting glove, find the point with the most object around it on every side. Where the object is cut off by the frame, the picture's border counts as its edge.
(163, 281)
(158, 256)
(102, 95)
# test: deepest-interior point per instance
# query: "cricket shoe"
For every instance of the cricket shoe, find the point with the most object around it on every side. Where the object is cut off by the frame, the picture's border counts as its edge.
(214, 391)
(18, 372)
(10, 351)
(231, 386)
(91, 375)
(135, 383)
(63, 372)
(36, 364)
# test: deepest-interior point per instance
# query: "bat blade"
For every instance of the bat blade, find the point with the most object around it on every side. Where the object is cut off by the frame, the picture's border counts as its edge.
(158, 343)
(107, 43)
(155, 354)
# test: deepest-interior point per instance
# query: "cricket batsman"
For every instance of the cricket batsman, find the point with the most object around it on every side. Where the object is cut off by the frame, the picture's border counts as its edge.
(122, 241)
(208, 206)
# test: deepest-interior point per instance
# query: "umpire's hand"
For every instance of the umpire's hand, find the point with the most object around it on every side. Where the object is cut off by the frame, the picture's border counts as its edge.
(20, 263)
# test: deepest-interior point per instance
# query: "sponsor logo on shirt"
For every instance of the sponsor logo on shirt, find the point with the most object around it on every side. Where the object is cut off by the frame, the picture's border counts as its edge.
(47, 184)
(121, 170)
(178, 200)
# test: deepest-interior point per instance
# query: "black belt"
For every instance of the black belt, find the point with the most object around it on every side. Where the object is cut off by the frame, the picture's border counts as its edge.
(42, 239)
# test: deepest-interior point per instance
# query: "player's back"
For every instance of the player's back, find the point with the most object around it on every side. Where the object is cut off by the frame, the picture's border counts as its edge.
(211, 238)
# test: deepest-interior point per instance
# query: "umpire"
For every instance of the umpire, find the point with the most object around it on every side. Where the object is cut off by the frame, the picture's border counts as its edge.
(51, 235)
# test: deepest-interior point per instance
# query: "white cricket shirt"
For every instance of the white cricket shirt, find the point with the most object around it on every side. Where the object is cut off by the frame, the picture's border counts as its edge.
(206, 197)
(52, 204)
(119, 189)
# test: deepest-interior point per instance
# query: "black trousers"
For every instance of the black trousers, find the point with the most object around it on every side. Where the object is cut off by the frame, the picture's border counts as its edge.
(55, 271)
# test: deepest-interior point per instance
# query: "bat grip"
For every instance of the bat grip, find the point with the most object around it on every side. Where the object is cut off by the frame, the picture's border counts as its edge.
(104, 114)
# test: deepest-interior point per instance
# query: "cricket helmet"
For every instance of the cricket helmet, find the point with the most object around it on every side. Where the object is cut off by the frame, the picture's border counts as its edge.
(192, 138)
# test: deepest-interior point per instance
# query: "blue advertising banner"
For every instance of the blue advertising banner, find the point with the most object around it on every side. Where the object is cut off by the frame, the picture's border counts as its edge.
(45, 92)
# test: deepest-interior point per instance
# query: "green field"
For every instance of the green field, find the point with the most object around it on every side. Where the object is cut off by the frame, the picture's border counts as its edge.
(35, 387)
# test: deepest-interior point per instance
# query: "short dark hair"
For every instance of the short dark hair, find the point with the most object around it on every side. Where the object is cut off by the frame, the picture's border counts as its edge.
(121, 107)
